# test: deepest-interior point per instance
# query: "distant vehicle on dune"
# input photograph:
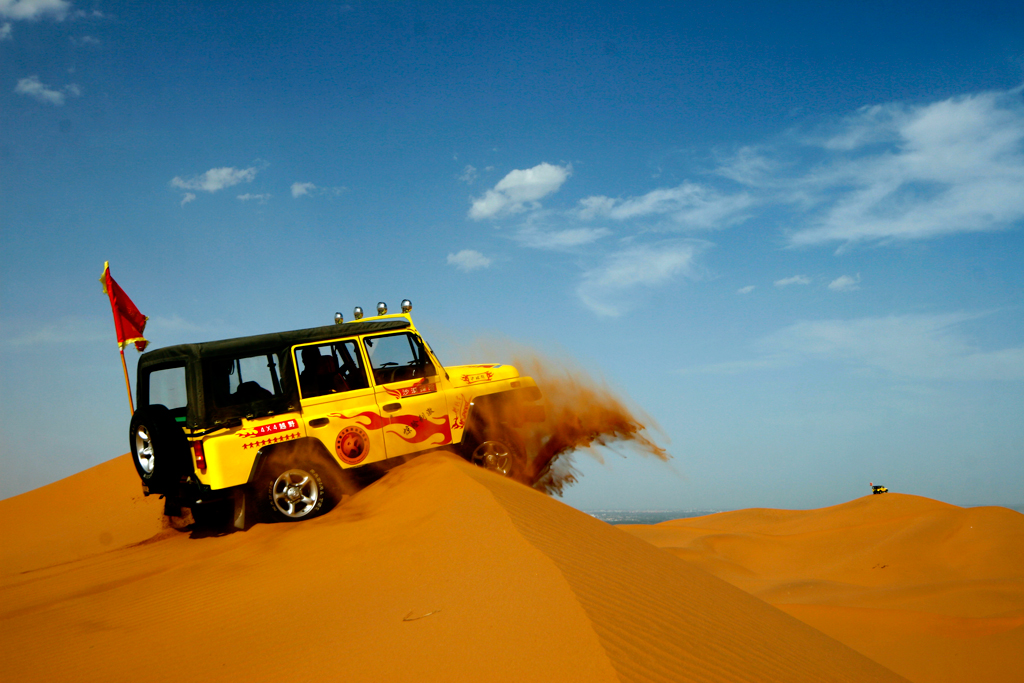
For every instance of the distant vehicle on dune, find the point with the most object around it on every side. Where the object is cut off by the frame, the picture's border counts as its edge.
(877, 488)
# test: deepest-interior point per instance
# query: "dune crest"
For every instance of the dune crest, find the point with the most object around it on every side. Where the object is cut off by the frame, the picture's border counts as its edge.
(931, 590)
(439, 571)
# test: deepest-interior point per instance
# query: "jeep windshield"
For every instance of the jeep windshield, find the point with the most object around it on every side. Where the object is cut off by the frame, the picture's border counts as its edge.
(243, 386)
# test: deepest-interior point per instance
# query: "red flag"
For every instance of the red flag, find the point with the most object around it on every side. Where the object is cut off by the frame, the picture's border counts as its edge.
(130, 323)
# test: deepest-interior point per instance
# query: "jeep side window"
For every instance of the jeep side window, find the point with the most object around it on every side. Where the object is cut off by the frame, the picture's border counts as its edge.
(167, 388)
(398, 357)
(238, 381)
(330, 368)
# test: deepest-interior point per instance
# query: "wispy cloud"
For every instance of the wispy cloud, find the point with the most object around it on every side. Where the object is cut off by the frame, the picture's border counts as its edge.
(920, 346)
(913, 172)
(468, 260)
(302, 189)
(688, 205)
(604, 286)
(795, 280)
(5, 31)
(468, 175)
(519, 190)
(258, 198)
(187, 197)
(32, 87)
(66, 330)
(845, 283)
(216, 179)
(34, 9)
(311, 189)
(86, 41)
(558, 240)
(745, 290)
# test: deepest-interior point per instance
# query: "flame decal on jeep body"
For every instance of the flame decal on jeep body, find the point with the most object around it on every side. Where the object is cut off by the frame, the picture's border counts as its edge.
(373, 420)
(417, 428)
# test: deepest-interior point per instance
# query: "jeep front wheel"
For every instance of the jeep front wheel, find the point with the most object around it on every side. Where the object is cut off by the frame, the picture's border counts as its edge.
(498, 452)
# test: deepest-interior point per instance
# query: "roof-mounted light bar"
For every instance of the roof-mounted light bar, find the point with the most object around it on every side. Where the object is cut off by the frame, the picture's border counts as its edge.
(382, 309)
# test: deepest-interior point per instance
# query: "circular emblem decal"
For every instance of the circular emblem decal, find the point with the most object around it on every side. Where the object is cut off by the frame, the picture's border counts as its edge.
(352, 445)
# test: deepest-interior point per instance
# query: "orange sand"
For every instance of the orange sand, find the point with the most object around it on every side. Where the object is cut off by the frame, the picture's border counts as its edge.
(932, 591)
(438, 572)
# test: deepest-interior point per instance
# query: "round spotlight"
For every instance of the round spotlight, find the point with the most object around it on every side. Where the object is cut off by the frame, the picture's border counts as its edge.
(338, 318)
(406, 305)
(357, 313)
(382, 308)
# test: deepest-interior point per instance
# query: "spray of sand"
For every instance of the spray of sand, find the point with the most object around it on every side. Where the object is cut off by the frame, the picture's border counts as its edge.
(580, 413)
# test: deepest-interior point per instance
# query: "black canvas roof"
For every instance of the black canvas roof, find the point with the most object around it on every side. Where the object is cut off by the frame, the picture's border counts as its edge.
(268, 343)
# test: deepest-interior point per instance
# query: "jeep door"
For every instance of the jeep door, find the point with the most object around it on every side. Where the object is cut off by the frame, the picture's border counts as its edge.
(407, 389)
(338, 403)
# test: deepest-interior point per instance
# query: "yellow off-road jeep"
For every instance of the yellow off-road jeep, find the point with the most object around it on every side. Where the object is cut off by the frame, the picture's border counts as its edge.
(284, 419)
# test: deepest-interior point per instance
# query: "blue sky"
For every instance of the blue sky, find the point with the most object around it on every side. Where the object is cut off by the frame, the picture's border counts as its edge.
(791, 233)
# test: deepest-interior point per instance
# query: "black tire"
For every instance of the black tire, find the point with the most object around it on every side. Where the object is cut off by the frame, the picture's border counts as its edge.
(291, 489)
(497, 450)
(160, 450)
(215, 516)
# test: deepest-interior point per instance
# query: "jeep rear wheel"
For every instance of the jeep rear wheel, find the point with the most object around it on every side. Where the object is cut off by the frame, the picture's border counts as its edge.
(293, 491)
(159, 447)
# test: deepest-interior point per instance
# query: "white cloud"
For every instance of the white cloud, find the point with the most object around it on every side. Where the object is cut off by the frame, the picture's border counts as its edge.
(468, 259)
(745, 290)
(688, 204)
(468, 175)
(216, 179)
(520, 189)
(603, 287)
(302, 189)
(31, 87)
(86, 40)
(187, 197)
(560, 239)
(845, 283)
(795, 280)
(310, 190)
(34, 9)
(259, 198)
(920, 346)
(900, 172)
(5, 31)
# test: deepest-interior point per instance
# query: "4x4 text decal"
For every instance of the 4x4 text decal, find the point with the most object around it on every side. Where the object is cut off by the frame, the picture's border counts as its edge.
(264, 430)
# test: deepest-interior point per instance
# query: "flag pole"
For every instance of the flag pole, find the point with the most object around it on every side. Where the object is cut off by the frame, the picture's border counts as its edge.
(124, 366)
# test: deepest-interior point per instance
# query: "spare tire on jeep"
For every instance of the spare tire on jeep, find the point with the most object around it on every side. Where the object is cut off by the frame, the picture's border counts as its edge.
(159, 448)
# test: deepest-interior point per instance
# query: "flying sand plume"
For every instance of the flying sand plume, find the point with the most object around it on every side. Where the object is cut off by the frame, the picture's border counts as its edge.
(579, 413)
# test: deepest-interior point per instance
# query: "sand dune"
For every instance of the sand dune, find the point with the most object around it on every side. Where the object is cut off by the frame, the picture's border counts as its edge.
(933, 591)
(440, 571)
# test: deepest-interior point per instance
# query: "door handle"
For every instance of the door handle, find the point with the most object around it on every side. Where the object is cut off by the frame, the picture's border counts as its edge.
(391, 407)
(319, 422)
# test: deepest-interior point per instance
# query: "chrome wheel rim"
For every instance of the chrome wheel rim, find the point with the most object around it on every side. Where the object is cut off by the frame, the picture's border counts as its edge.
(295, 493)
(493, 456)
(144, 449)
